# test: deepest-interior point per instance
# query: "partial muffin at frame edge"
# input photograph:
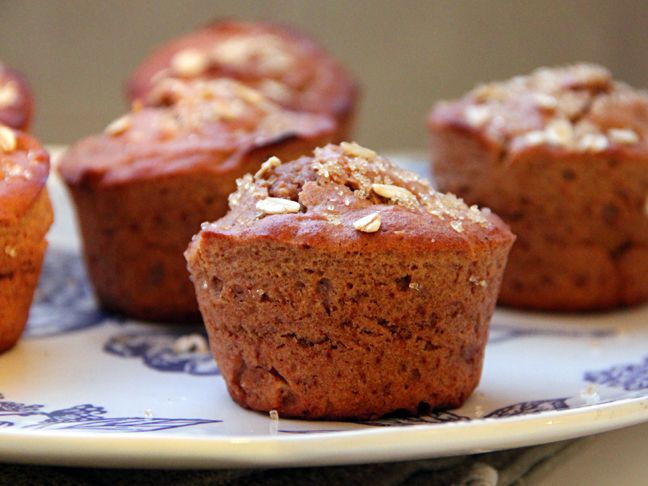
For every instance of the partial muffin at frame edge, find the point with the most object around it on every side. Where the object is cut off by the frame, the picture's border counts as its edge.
(25, 216)
(560, 155)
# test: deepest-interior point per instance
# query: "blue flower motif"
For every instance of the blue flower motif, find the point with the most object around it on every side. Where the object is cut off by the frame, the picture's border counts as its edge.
(15, 408)
(156, 349)
(63, 301)
(630, 377)
(78, 413)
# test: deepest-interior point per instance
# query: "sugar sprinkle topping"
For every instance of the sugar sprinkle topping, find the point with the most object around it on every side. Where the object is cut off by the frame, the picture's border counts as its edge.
(568, 101)
(356, 150)
(477, 116)
(189, 62)
(394, 193)
(623, 136)
(119, 126)
(359, 178)
(268, 166)
(8, 94)
(277, 205)
(8, 141)
(369, 223)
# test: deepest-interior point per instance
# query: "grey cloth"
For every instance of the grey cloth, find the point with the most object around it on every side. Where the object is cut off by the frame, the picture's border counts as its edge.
(501, 468)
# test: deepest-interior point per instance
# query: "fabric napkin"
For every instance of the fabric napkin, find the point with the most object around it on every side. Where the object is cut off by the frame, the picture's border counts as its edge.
(501, 468)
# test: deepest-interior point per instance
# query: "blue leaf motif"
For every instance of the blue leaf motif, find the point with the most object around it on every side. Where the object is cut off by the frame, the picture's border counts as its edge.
(122, 424)
(630, 376)
(535, 406)
(91, 417)
(438, 417)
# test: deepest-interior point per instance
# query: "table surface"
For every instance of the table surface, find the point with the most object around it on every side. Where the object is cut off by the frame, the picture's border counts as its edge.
(617, 458)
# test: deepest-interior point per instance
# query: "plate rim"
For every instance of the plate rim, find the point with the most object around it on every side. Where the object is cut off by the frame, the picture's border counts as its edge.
(347, 447)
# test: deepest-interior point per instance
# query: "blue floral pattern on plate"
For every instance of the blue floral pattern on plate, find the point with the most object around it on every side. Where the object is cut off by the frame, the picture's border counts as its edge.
(630, 376)
(445, 416)
(156, 350)
(89, 417)
(63, 301)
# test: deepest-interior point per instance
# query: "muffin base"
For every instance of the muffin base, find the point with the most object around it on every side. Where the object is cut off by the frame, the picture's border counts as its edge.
(332, 335)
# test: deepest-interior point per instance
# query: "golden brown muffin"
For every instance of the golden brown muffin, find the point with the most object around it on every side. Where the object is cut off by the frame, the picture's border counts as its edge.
(340, 286)
(287, 66)
(562, 156)
(25, 217)
(143, 187)
(16, 100)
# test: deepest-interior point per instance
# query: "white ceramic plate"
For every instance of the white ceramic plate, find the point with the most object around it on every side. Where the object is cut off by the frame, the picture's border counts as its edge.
(87, 388)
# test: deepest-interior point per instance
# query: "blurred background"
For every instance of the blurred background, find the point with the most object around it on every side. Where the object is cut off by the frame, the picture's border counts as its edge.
(406, 54)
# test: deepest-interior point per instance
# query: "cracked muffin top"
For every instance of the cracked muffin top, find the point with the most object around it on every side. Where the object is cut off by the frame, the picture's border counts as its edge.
(209, 125)
(286, 66)
(577, 108)
(15, 99)
(24, 167)
(346, 195)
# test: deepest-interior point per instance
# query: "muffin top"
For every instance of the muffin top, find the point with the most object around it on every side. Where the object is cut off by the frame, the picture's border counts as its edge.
(346, 195)
(24, 167)
(209, 125)
(15, 99)
(577, 108)
(288, 67)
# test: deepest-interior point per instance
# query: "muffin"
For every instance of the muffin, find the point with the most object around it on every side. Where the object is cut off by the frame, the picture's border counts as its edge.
(143, 187)
(25, 217)
(16, 101)
(340, 286)
(287, 66)
(562, 156)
